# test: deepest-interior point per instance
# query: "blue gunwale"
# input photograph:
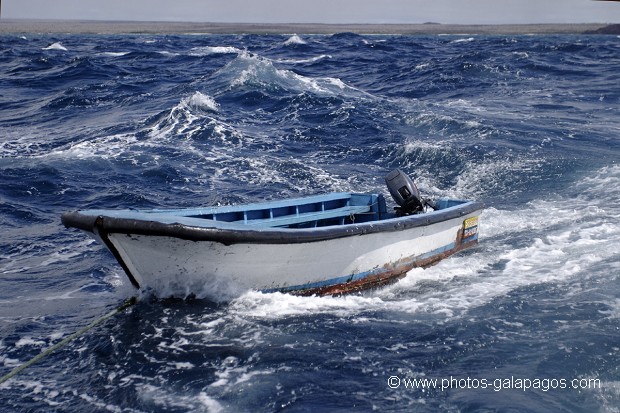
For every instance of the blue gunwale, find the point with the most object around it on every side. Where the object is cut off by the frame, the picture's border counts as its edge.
(196, 225)
(281, 213)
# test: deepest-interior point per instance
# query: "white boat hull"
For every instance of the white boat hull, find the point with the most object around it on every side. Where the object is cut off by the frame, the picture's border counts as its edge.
(322, 244)
(172, 266)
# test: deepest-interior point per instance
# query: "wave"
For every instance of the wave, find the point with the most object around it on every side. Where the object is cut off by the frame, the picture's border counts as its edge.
(180, 120)
(450, 167)
(467, 40)
(104, 147)
(56, 46)
(199, 101)
(252, 71)
(302, 61)
(294, 40)
(168, 54)
(165, 398)
(210, 50)
(114, 54)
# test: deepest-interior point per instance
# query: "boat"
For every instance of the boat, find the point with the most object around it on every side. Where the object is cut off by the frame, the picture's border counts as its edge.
(327, 244)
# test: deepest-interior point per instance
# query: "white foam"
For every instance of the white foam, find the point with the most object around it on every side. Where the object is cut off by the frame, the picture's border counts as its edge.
(294, 40)
(169, 398)
(200, 101)
(21, 143)
(231, 373)
(29, 341)
(114, 54)
(260, 171)
(56, 46)
(490, 175)
(301, 61)
(277, 305)
(9, 362)
(421, 66)
(250, 70)
(209, 403)
(100, 404)
(210, 50)
(467, 40)
(432, 147)
(182, 365)
(167, 53)
(182, 118)
(105, 147)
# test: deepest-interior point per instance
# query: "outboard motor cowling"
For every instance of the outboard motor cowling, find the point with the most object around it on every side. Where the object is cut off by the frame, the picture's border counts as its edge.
(405, 193)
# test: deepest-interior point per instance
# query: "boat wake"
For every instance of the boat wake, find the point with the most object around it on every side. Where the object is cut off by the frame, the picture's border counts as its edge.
(555, 242)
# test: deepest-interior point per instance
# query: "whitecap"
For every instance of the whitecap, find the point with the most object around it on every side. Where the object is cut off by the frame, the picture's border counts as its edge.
(182, 117)
(105, 147)
(209, 50)
(167, 53)
(250, 70)
(302, 61)
(29, 341)
(467, 40)
(200, 101)
(55, 46)
(114, 54)
(294, 40)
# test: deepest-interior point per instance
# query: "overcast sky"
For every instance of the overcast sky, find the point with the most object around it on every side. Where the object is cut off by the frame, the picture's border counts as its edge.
(321, 11)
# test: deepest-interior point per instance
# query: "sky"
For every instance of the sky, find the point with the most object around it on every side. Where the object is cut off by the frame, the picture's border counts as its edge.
(320, 11)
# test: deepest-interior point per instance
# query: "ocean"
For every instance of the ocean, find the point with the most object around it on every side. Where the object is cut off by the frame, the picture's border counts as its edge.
(526, 321)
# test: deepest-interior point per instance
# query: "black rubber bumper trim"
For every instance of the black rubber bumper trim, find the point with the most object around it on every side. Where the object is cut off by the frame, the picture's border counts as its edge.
(106, 225)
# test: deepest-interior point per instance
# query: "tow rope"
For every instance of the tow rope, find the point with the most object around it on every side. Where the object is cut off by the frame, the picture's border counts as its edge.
(128, 303)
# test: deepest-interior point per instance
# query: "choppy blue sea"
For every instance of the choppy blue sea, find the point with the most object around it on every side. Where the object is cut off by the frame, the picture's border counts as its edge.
(527, 321)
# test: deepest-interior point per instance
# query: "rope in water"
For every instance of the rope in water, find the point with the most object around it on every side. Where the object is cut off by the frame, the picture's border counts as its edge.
(128, 303)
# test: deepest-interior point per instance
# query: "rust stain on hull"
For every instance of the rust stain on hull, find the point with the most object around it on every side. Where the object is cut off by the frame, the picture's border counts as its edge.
(393, 272)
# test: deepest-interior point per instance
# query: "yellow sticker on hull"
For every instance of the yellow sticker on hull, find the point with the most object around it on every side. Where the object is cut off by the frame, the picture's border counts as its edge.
(470, 222)
(470, 227)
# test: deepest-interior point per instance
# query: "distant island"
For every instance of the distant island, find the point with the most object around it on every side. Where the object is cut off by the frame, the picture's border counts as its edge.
(431, 28)
(609, 29)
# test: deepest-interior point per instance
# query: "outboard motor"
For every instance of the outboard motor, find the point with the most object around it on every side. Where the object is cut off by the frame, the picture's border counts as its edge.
(405, 193)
